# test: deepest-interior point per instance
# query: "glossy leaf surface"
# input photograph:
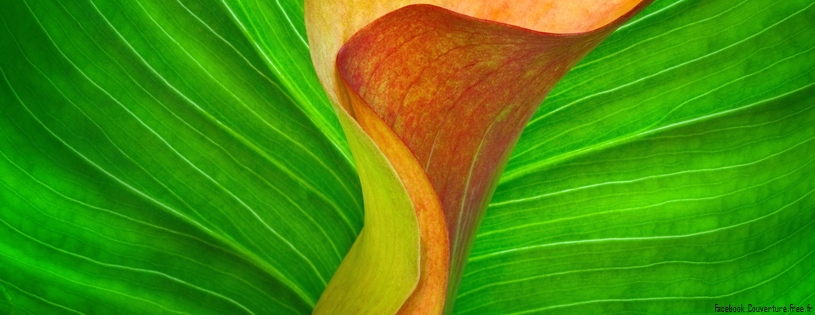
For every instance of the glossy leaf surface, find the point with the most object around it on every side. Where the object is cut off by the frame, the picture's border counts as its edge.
(152, 162)
(172, 157)
(668, 172)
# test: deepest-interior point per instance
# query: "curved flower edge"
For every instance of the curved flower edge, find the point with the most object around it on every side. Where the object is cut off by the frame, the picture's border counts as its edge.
(382, 267)
(429, 295)
(445, 168)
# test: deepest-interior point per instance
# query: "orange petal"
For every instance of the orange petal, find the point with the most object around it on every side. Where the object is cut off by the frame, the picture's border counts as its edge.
(445, 96)
(330, 23)
(430, 293)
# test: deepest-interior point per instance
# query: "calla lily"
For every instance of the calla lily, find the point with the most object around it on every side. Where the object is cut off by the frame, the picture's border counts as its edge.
(194, 157)
(439, 93)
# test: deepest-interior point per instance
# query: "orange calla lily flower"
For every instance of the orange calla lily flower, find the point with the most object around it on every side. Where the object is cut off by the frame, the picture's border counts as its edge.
(432, 98)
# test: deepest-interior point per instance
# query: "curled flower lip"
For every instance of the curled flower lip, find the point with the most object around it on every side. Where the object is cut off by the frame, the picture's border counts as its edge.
(330, 24)
(443, 97)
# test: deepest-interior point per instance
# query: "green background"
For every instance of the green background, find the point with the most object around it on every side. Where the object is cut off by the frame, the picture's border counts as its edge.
(181, 157)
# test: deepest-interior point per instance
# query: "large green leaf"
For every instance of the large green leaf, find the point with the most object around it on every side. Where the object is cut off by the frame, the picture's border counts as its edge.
(670, 171)
(151, 162)
(179, 157)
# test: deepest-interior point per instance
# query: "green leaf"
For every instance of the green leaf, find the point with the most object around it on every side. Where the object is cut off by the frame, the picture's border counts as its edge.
(276, 30)
(668, 172)
(152, 163)
(179, 157)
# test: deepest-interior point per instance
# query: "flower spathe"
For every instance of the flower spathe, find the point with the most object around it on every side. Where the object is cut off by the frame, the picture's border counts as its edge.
(443, 92)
